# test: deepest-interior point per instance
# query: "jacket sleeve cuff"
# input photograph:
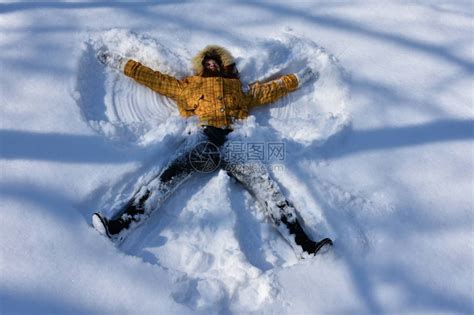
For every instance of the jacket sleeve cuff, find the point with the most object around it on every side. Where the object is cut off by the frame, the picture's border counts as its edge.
(121, 64)
(129, 67)
(298, 79)
(291, 82)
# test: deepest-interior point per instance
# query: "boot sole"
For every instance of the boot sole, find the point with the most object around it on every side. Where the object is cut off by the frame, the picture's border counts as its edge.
(322, 243)
(100, 224)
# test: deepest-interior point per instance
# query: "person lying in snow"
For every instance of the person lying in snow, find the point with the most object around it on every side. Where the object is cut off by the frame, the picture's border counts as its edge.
(214, 94)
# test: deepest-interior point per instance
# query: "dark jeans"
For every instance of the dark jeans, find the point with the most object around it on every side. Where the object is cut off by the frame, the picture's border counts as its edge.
(206, 155)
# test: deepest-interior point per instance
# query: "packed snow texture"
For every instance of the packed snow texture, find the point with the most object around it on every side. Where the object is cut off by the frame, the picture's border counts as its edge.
(378, 156)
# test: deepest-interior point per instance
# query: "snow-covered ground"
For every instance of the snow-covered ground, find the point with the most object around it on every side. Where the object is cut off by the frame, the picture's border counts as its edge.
(378, 156)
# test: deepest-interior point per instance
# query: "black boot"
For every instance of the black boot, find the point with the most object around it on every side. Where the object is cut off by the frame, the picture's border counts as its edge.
(130, 213)
(110, 228)
(312, 248)
(101, 224)
(308, 245)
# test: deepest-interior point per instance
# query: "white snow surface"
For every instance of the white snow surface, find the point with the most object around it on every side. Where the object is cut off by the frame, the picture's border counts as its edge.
(378, 156)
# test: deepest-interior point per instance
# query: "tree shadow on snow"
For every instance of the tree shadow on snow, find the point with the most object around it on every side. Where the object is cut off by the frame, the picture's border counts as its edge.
(67, 148)
(13, 7)
(16, 302)
(349, 26)
(360, 141)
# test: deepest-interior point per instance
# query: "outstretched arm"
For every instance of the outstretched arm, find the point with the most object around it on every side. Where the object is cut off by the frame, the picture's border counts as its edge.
(268, 92)
(161, 83)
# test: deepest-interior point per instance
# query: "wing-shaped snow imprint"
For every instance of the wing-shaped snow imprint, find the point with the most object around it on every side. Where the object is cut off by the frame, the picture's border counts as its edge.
(122, 110)
(199, 236)
(317, 110)
(112, 104)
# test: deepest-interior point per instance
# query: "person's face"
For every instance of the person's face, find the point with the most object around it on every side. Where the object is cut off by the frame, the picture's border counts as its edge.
(212, 65)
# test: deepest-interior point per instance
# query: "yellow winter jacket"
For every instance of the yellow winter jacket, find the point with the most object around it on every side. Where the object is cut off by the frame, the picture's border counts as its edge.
(217, 101)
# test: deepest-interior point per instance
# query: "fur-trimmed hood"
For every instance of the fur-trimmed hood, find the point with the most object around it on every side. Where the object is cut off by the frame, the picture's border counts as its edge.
(209, 51)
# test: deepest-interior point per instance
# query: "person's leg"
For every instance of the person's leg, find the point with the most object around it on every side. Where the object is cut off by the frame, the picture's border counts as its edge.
(256, 179)
(199, 153)
(152, 195)
(147, 198)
